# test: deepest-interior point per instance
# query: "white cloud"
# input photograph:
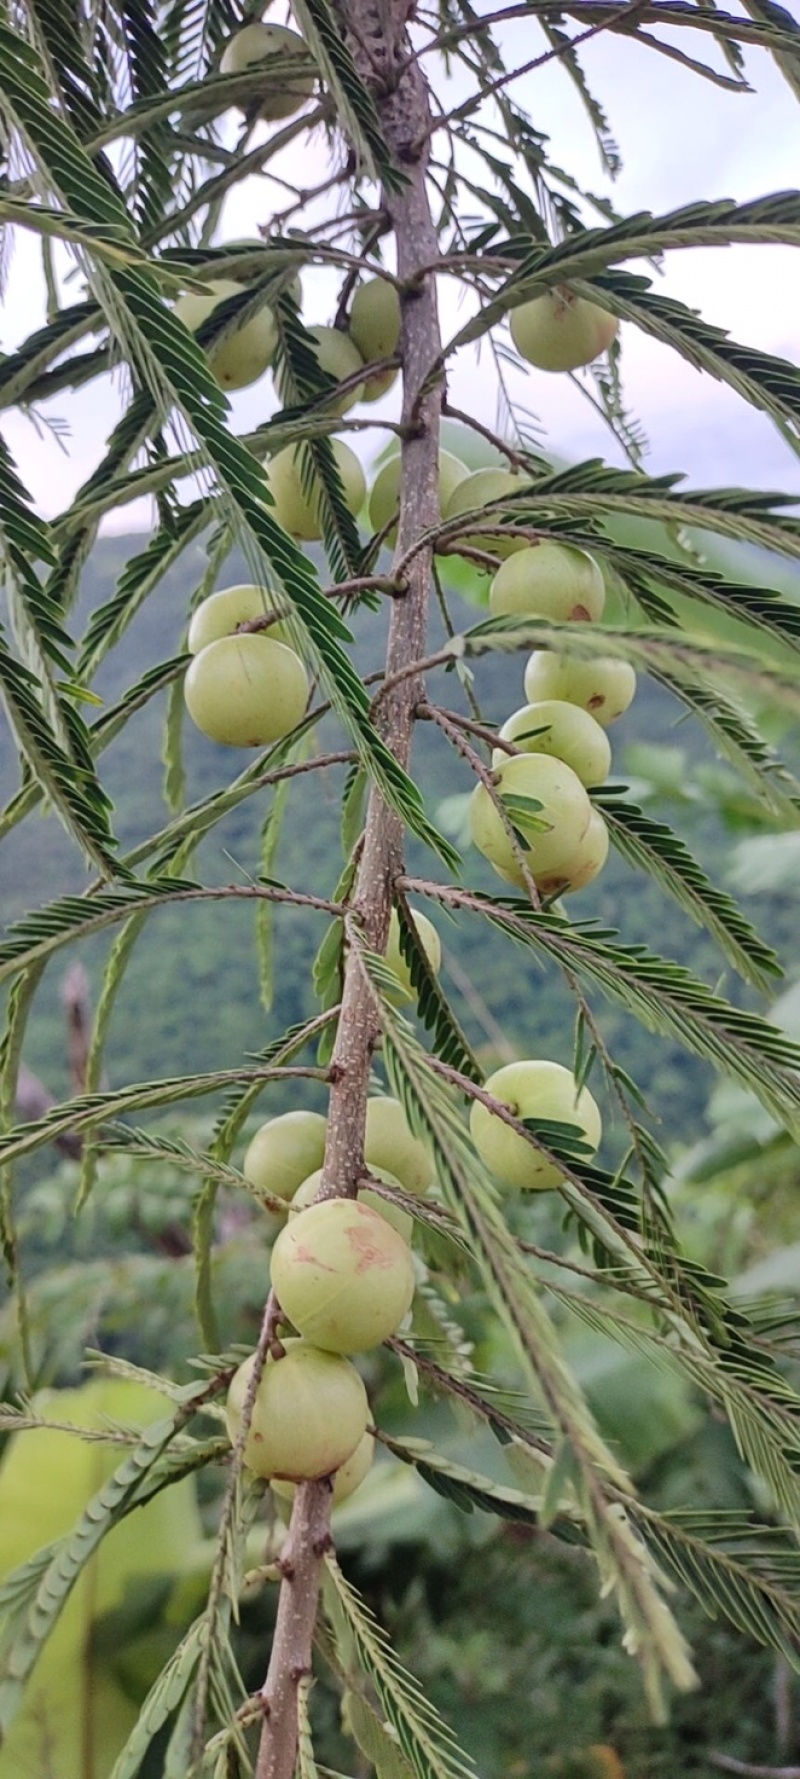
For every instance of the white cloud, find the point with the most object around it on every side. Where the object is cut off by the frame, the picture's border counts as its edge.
(681, 139)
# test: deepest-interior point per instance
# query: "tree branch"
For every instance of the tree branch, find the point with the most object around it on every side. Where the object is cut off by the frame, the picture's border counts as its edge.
(377, 38)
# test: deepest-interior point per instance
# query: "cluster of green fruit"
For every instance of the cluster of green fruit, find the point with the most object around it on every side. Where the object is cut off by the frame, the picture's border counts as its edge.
(244, 688)
(341, 1267)
(241, 354)
(343, 1275)
(541, 824)
(557, 331)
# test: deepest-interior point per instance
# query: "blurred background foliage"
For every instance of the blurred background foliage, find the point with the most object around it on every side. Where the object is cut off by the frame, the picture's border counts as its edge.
(500, 1623)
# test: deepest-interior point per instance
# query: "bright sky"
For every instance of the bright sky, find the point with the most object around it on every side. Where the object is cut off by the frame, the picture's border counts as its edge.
(681, 139)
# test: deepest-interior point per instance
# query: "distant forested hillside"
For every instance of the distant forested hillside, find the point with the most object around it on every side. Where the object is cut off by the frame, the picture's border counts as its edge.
(191, 1000)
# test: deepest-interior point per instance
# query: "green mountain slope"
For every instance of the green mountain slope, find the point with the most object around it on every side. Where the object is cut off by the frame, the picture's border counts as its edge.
(191, 999)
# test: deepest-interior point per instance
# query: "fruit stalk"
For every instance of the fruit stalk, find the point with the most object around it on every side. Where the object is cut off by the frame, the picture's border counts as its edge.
(406, 117)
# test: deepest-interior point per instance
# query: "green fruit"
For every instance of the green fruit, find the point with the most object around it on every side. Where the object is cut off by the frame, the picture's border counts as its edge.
(549, 580)
(390, 1144)
(238, 357)
(310, 1413)
(541, 1090)
(560, 332)
(375, 319)
(586, 863)
(298, 512)
(380, 384)
(275, 46)
(477, 490)
(431, 945)
(284, 1151)
(245, 691)
(394, 1214)
(335, 354)
(255, 259)
(563, 730)
(605, 687)
(342, 1276)
(385, 497)
(223, 612)
(346, 1479)
(562, 804)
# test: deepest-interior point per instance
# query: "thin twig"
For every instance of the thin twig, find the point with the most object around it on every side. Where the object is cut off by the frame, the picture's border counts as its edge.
(485, 432)
(482, 730)
(455, 1386)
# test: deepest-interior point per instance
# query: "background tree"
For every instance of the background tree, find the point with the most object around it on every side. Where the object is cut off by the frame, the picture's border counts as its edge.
(120, 157)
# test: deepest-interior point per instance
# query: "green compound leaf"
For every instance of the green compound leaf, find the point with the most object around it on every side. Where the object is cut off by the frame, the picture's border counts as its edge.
(654, 848)
(427, 1742)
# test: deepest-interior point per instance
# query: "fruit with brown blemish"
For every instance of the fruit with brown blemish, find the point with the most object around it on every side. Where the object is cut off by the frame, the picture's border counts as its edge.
(342, 1276)
(549, 580)
(586, 863)
(604, 686)
(394, 1214)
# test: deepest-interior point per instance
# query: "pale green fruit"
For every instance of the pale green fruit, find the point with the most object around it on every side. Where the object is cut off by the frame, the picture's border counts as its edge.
(476, 490)
(390, 1144)
(346, 1479)
(549, 580)
(384, 500)
(605, 687)
(336, 354)
(542, 1090)
(431, 945)
(394, 1214)
(261, 261)
(246, 691)
(274, 45)
(375, 319)
(563, 730)
(560, 331)
(223, 612)
(342, 1276)
(309, 1415)
(380, 384)
(284, 1151)
(564, 806)
(586, 863)
(242, 356)
(295, 511)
